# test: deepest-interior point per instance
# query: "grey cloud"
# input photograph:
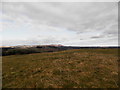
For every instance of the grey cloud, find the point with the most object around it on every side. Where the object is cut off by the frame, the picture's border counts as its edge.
(78, 17)
(96, 37)
(70, 15)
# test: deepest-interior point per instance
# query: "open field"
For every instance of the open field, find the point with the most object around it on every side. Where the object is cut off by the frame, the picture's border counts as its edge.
(80, 68)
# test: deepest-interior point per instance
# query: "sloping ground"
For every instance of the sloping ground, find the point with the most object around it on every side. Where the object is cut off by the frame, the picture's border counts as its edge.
(82, 68)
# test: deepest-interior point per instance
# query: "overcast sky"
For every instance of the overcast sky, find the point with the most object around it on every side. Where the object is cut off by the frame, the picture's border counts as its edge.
(66, 23)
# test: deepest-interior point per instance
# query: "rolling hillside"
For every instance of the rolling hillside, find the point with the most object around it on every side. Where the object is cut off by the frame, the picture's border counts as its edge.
(80, 68)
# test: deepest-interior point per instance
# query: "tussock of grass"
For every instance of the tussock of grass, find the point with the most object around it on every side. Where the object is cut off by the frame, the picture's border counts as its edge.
(82, 68)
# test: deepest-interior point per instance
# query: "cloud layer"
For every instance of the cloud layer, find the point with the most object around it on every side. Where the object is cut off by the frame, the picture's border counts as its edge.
(67, 23)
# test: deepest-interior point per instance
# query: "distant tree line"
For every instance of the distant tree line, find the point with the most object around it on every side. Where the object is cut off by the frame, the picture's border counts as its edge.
(17, 51)
(39, 49)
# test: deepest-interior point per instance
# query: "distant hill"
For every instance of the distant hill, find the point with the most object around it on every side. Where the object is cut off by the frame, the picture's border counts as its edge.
(27, 49)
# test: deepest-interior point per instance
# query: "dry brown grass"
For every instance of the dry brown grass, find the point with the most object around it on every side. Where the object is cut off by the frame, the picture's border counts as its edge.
(83, 68)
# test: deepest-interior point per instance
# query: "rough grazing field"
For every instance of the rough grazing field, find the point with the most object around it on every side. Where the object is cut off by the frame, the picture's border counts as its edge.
(82, 68)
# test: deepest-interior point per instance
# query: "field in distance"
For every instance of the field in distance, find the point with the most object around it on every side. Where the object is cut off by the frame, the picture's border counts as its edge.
(80, 68)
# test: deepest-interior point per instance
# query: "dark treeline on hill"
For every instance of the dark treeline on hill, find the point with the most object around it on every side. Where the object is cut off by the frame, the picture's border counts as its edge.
(39, 49)
(27, 50)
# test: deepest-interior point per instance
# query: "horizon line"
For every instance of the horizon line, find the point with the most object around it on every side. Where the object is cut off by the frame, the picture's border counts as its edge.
(63, 45)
